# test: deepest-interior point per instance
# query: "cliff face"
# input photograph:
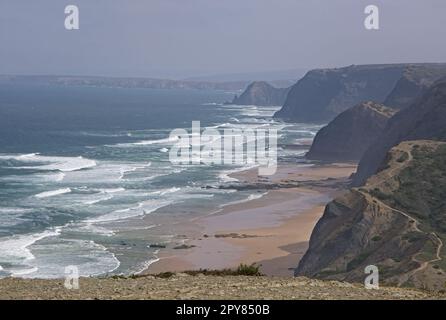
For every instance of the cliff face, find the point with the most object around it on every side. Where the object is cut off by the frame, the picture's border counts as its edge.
(425, 119)
(415, 81)
(261, 93)
(349, 135)
(396, 222)
(323, 94)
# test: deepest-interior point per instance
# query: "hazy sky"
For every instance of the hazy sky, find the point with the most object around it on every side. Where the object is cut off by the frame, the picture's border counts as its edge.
(176, 38)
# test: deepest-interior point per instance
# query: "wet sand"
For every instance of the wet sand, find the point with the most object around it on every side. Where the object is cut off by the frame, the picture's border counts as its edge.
(273, 230)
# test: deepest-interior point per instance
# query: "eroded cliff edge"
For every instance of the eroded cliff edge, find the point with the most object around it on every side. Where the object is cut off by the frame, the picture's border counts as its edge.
(396, 221)
(322, 94)
(349, 135)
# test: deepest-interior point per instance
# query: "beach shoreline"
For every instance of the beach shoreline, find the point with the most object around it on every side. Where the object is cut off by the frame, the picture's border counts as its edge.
(272, 230)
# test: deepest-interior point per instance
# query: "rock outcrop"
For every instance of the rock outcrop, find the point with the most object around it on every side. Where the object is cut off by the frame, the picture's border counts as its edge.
(397, 222)
(261, 93)
(424, 119)
(349, 135)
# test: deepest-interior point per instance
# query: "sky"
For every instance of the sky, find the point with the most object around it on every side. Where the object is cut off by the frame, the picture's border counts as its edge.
(185, 38)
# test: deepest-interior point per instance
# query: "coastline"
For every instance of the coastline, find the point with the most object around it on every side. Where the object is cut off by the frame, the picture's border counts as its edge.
(272, 231)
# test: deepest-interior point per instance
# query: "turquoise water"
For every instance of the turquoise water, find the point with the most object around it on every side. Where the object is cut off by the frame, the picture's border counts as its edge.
(85, 178)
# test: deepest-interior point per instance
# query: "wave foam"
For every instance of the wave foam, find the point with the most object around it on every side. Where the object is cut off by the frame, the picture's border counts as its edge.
(251, 197)
(224, 176)
(124, 171)
(15, 250)
(106, 194)
(141, 209)
(165, 191)
(53, 193)
(91, 258)
(64, 164)
(159, 141)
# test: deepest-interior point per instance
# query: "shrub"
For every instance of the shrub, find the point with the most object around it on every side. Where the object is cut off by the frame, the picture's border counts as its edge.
(403, 158)
(251, 270)
(165, 275)
(248, 270)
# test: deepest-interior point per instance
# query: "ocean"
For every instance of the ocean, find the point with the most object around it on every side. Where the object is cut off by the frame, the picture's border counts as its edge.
(85, 178)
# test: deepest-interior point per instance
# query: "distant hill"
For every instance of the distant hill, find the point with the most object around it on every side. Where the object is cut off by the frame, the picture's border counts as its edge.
(112, 82)
(324, 93)
(273, 77)
(396, 221)
(261, 93)
(349, 135)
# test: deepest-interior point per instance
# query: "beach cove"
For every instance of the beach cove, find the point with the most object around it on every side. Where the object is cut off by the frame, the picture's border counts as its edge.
(272, 230)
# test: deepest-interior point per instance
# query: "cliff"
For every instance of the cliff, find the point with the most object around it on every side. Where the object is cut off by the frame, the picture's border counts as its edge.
(415, 82)
(424, 119)
(397, 222)
(261, 93)
(324, 93)
(349, 135)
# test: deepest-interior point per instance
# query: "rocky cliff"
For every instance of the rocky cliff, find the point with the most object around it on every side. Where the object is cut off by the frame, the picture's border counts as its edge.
(415, 81)
(349, 135)
(424, 119)
(322, 94)
(261, 93)
(397, 222)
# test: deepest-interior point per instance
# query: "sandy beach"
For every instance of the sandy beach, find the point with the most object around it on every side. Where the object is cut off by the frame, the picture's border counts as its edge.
(272, 231)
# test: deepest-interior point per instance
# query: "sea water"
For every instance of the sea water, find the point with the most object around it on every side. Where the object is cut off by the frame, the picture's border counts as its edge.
(85, 178)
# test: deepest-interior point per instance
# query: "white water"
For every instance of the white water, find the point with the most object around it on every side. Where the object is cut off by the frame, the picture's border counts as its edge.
(64, 164)
(53, 193)
(15, 249)
(109, 190)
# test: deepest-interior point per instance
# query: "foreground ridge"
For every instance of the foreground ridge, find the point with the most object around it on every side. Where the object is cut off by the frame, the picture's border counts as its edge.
(395, 221)
(183, 286)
